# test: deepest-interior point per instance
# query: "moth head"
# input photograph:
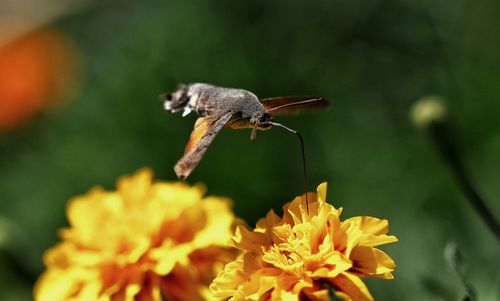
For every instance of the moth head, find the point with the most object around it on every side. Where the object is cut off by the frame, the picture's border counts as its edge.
(176, 101)
(261, 120)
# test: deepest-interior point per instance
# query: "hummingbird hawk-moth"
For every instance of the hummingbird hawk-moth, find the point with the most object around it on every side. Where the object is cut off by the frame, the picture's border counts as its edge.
(219, 107)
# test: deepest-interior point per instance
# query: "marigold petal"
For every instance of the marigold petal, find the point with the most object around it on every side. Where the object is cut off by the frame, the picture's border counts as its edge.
(218, 224)
(301, 209)
(64, 255)
(266, 282)
(335, 232)
(261, 282)
(284, 296)
(333, 265)
(168, 255)
(295, 212)
(373, 262)
(352, 286)
(352, 236)
(281, 233)
(58, 285)
(290, 288)
(134, 188)
(177, 196)
(90, 292)
(85, 215)
(149, 293)
(132, 290)
(247, 240)
(373, 229)
(321, 190)
(226, 283)
(266, 224)
(317, 295)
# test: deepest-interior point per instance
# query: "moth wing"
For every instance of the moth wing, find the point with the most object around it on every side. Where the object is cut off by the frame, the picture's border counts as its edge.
(204, 132)
(294, 104)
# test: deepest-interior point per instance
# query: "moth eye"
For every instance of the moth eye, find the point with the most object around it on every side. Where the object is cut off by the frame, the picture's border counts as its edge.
(169, 97)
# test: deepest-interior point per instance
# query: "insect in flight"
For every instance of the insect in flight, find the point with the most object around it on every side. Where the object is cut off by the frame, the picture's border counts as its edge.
(219, 107)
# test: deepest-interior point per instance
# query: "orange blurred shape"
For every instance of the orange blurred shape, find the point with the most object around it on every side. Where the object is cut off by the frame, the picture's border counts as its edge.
(35, 70)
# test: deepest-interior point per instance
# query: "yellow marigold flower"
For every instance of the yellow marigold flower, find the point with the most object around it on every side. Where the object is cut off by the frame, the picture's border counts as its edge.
(145, 241)
(298, 256)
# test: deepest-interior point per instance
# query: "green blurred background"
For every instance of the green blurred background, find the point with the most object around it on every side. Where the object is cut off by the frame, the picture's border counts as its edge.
(373, 59)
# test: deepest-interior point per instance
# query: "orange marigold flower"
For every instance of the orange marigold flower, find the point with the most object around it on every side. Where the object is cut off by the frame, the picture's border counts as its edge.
(144, 241)
(302, 254)
(37, 69)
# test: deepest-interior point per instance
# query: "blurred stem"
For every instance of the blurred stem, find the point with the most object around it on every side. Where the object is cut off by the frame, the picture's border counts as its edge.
(436, 289)
(455, 259)
(441, 134)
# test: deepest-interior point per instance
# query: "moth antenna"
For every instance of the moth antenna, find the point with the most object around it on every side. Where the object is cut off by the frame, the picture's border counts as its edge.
(293, 104)
(306, 186)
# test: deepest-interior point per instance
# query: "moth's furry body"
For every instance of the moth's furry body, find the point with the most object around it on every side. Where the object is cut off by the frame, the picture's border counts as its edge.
(219, 107)
(208, 100)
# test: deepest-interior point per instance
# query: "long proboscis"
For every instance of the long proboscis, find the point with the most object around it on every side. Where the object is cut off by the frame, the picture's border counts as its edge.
(306, 186)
